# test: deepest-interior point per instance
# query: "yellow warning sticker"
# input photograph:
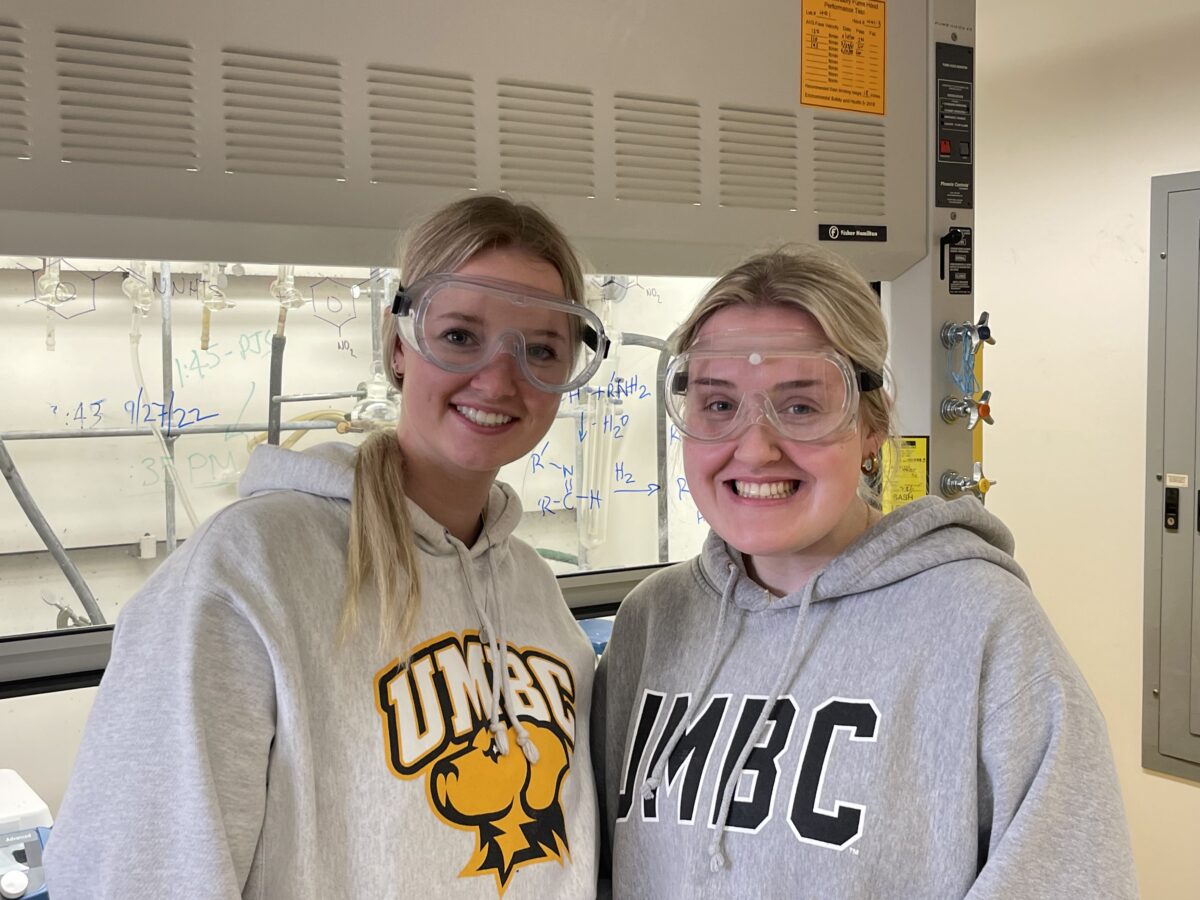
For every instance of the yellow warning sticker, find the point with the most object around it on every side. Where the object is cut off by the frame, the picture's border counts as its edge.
(907, 478)
(843, 54)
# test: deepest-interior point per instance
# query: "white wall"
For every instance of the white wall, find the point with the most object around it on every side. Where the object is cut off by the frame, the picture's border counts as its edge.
(1079, 104)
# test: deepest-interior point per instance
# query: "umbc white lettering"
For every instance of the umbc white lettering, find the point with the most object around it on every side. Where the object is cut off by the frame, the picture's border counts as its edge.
(810, 820)
(443, 694)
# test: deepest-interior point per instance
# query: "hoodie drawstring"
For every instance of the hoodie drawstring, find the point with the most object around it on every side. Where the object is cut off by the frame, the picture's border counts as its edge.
(787, 672)
(524, 741)
(495, 726)
(496, 643)
(710, 670)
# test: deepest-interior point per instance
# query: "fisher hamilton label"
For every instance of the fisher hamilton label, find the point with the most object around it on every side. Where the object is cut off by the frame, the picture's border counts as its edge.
(851, 232)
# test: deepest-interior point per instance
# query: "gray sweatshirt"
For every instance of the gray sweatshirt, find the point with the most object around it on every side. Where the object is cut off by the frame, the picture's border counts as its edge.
(237, 749)
(906, 726)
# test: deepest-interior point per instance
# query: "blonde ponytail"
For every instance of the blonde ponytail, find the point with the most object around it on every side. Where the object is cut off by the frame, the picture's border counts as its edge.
(382, 551)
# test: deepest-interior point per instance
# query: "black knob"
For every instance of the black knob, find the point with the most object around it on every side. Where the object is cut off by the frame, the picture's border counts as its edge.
(949, 239)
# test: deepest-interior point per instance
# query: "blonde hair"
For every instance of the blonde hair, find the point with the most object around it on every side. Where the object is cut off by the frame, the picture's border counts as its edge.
(381, 550)
(827, 288)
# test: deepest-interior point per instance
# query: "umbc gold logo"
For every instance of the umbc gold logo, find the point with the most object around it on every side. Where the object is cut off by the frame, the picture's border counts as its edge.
(435, 711)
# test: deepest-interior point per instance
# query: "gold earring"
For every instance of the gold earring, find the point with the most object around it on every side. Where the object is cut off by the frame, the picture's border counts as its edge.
(869, 465)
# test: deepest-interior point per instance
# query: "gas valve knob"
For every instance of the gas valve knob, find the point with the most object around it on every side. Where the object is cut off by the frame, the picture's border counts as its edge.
(983, 331)
(954, 484)
(973, 333)
(974, 411)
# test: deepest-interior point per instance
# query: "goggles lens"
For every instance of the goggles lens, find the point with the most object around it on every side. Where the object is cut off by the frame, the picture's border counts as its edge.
(459, 323)
(716, 394)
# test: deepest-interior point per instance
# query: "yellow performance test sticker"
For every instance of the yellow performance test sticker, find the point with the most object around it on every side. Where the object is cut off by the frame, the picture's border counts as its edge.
(843, 54)
(907, 478)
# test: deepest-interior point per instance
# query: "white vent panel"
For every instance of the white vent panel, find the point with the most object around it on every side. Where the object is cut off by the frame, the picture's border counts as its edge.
(14, 92)
(547, 139)
(757, 158)
(125, 101)
(849, 166)
(657, 149)
(336, 134)
(422, 127)
(283, 115)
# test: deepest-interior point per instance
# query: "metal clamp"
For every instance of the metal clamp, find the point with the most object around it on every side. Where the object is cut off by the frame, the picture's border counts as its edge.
(954, 484)
(974, 411)
(974, 333)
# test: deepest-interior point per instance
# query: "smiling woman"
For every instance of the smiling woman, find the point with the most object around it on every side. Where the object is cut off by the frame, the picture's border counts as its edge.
(463, 417)
(361, 646)
(791, 504)
(882, 683)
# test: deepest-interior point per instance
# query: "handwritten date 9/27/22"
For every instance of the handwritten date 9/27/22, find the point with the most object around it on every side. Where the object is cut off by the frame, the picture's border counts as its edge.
(168, 416)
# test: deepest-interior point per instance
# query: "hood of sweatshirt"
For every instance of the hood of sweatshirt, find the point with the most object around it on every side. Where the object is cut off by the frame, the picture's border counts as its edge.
(919, 536)
(327, 470)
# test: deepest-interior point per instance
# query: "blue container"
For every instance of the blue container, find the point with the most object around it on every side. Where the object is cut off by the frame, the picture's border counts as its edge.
(598, 632)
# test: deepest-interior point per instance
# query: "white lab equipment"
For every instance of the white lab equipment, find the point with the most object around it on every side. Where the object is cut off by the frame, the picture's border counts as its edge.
(137, 286)
(24, 827)
(283, 288)
(147, 546)
(377, 409)
(51, 291)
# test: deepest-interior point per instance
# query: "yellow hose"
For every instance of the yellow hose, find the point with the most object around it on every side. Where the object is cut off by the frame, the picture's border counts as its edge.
(321, 415)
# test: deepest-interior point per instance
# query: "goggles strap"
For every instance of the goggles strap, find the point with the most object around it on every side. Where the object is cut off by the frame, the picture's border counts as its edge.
(598, 343)
(402, 302)
(867, 380)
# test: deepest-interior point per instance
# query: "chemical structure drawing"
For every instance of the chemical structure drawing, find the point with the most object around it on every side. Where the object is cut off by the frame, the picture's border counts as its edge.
(618, 287)
(67, 297)
(333, 301)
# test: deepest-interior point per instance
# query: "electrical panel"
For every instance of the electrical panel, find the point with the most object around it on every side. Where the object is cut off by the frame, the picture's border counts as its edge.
(1171, 679)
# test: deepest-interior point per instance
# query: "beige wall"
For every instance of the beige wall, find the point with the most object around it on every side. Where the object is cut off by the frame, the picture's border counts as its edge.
(1079, 104)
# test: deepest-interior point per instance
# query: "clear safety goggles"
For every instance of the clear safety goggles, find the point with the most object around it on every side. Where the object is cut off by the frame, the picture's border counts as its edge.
(460, 322)
(718, 389)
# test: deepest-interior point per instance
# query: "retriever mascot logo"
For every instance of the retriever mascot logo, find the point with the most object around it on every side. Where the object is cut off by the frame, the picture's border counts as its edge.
(435, 710)
(512, 805)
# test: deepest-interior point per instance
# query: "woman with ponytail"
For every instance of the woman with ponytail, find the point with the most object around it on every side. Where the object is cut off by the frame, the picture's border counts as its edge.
(356, 681)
